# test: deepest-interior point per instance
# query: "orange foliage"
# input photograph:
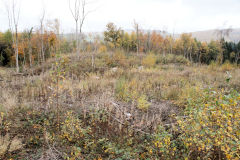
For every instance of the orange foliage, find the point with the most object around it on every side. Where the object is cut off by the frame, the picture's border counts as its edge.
(52, 39)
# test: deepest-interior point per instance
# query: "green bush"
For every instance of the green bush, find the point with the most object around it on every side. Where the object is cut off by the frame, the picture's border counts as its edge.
(171, 58)
(211, 126)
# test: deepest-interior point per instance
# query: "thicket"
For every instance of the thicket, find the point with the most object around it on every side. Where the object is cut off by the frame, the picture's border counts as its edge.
(195, 51)
(30, 44)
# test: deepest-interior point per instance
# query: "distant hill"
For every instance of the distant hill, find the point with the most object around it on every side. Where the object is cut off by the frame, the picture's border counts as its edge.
(209, 35)
(206, 35)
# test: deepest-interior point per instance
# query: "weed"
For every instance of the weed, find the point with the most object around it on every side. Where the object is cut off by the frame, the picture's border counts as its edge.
(142, 103)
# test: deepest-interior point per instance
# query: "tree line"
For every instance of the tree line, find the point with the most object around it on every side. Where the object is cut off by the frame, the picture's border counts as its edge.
(162, 43)
(36, 46)
(28, 47)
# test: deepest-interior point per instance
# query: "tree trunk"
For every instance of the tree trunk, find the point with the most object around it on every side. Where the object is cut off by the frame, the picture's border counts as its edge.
(185, 54)
(30, 52)
(16, 51)
(42, 45)
(237, 57)
(77, 43)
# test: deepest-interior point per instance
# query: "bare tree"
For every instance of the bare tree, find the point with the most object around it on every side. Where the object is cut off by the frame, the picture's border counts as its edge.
(79, 14)
(75, 10)
(82, 19)
(83, 15)
(29, 37)
(96, 41)
(57, 30)
(172, 38)
(42, 34)
(136, 27)
(13, 12)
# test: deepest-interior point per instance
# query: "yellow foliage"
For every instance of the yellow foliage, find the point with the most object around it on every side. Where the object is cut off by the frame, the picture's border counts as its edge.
(120, 59)
(143, 104)
(102, 49)
(187, 92)
(149, 60)
(213, 123)
(227, 66)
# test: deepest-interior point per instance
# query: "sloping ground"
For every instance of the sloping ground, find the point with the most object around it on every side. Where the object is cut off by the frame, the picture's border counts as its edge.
(209, 35)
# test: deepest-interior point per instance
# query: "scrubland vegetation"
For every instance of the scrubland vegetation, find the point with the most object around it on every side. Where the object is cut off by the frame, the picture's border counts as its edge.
(138, 95)
(126, 106)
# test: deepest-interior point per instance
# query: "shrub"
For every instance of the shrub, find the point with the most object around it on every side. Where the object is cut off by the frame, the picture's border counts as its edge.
(171, 58)
(182, 60)
(102, 49)
(163, 144)
(171, 93)
(149, 60)
(213, 65)
(142, 103)
(127, 90)
(117, 59)
(189, 93)
(227, 66)
(212, 126)
(122, 90)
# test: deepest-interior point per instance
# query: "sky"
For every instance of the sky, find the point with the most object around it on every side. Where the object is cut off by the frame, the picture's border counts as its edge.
(176, 16)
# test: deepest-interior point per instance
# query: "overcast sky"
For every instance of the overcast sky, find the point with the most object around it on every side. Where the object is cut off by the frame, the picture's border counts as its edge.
(171, 15)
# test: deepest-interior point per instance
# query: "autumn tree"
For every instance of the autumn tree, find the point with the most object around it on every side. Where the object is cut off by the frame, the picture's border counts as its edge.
(112, 35)
(157, 42)
(186, 44)
(6, 50)
(5, 47)
(203, 52)
(214, 49)
(133, 44)
(54, 26)
(27, 39)
(126, 41)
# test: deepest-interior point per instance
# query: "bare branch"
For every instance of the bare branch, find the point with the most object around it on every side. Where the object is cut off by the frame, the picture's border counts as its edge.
(13, 19)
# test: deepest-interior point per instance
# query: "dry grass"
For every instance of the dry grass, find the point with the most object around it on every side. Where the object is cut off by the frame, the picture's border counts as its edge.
(15, 144)
(162, 90)
(8, 100)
